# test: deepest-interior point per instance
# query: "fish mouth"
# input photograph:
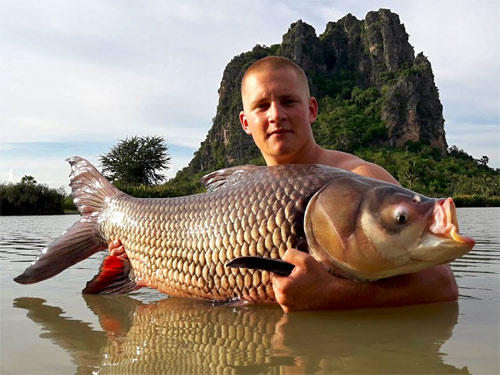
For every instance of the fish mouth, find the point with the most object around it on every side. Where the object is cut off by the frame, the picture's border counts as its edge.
(445, 223)
(442, 241)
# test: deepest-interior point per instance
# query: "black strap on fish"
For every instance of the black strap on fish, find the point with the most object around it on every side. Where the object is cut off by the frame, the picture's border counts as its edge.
(277, 266)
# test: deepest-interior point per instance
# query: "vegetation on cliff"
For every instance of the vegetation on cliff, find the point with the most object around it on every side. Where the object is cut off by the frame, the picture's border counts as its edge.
(376, 98)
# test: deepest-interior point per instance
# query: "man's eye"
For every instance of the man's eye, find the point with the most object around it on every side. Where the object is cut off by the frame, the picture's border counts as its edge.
(289, 102)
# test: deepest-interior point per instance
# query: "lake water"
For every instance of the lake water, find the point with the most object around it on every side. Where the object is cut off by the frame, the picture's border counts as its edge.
(51, 328)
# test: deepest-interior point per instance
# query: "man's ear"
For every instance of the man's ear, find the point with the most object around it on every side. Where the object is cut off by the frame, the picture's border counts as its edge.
(313, 109)
(244, 123)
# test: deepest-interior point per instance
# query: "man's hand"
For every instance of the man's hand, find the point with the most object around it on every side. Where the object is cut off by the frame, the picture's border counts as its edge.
(307, 287)
(311, 287)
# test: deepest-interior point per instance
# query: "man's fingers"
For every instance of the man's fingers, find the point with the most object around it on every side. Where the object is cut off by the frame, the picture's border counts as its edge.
(117, 251)
(296, 257)
(114, 244)
(116, 248)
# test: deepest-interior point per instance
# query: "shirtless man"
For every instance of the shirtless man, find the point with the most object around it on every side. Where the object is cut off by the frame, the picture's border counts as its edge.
(278, 112)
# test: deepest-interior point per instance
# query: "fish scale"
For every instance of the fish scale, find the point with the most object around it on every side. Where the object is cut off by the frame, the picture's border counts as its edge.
(180, 245)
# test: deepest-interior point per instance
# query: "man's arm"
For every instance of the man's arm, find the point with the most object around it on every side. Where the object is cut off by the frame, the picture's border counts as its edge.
(311, 287)
(367, 169)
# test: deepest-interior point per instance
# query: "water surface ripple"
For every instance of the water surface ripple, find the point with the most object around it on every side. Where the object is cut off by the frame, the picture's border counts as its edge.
(146, 333)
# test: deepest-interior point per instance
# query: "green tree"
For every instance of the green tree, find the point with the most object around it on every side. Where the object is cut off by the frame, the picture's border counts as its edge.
(136, 161)
(408, 172)
(28, 180)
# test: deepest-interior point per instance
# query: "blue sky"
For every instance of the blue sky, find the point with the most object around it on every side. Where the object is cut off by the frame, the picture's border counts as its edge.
(77, 76)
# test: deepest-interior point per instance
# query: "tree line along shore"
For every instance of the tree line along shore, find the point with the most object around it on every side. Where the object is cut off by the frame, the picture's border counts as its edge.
(470, 182)
(41, 200)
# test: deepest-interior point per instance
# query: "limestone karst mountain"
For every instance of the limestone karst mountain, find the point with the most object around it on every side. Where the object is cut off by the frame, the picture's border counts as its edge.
(366, 78)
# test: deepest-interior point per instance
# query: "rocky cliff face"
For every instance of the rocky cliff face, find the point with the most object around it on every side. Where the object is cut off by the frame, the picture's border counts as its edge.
(373, 52)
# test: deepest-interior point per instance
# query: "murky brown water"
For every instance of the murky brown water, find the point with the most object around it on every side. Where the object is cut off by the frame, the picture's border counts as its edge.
(51, 328)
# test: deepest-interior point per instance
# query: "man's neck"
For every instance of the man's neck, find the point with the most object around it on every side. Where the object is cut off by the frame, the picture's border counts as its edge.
(310, 155)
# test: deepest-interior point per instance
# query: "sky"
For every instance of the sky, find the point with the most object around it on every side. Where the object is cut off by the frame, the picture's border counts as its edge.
(77, 77)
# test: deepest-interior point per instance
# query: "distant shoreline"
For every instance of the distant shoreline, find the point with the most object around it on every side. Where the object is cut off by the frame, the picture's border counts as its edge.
(476, 201)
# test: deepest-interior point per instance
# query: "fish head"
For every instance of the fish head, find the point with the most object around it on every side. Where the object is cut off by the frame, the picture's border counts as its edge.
(379, 230)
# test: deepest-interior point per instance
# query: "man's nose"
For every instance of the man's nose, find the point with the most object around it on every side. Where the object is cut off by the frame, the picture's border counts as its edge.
(275, 113)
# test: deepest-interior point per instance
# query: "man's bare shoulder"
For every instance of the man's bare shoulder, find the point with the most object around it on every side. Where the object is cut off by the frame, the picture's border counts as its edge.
(352, 163)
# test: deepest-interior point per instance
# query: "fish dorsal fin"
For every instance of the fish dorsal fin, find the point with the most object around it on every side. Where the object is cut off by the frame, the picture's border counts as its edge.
(228, 177)
(89, 187)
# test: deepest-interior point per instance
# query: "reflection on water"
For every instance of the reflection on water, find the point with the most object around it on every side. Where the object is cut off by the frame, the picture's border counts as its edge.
(181, 336)
(66, 333)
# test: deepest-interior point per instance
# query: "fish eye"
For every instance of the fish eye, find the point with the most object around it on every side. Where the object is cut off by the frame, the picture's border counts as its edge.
(401, 216)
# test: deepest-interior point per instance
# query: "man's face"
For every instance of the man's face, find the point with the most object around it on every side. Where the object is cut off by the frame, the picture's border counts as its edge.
(277, 113)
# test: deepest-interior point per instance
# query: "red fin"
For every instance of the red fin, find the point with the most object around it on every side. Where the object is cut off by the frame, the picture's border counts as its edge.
(111, 326)
(115, 277)
(115, 312)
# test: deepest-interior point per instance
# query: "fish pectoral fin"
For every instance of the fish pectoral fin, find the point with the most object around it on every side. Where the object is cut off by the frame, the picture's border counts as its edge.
(277, 266)
(115, 277)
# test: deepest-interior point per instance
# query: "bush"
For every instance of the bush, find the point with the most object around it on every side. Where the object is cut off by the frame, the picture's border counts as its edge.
(30, 199)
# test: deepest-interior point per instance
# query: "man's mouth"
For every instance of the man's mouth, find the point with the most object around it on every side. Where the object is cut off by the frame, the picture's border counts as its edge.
(279, 132)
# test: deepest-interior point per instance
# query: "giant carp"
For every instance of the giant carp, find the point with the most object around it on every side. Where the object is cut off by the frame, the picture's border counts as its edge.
(357, 227)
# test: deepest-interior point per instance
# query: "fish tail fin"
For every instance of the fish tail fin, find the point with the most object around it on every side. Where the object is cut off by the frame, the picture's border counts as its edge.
(76, 244)
(90, 191)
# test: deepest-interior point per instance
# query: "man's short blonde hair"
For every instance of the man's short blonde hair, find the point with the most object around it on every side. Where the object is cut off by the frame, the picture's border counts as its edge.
(275, 63)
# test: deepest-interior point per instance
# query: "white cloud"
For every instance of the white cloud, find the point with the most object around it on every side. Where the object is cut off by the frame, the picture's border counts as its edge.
(79, 71)
(477, 140)
(52, 171)
(461, 40)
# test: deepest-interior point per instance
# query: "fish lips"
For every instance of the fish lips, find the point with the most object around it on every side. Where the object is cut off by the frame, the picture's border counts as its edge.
(436, 249)
(445, 222)
(442, 240)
